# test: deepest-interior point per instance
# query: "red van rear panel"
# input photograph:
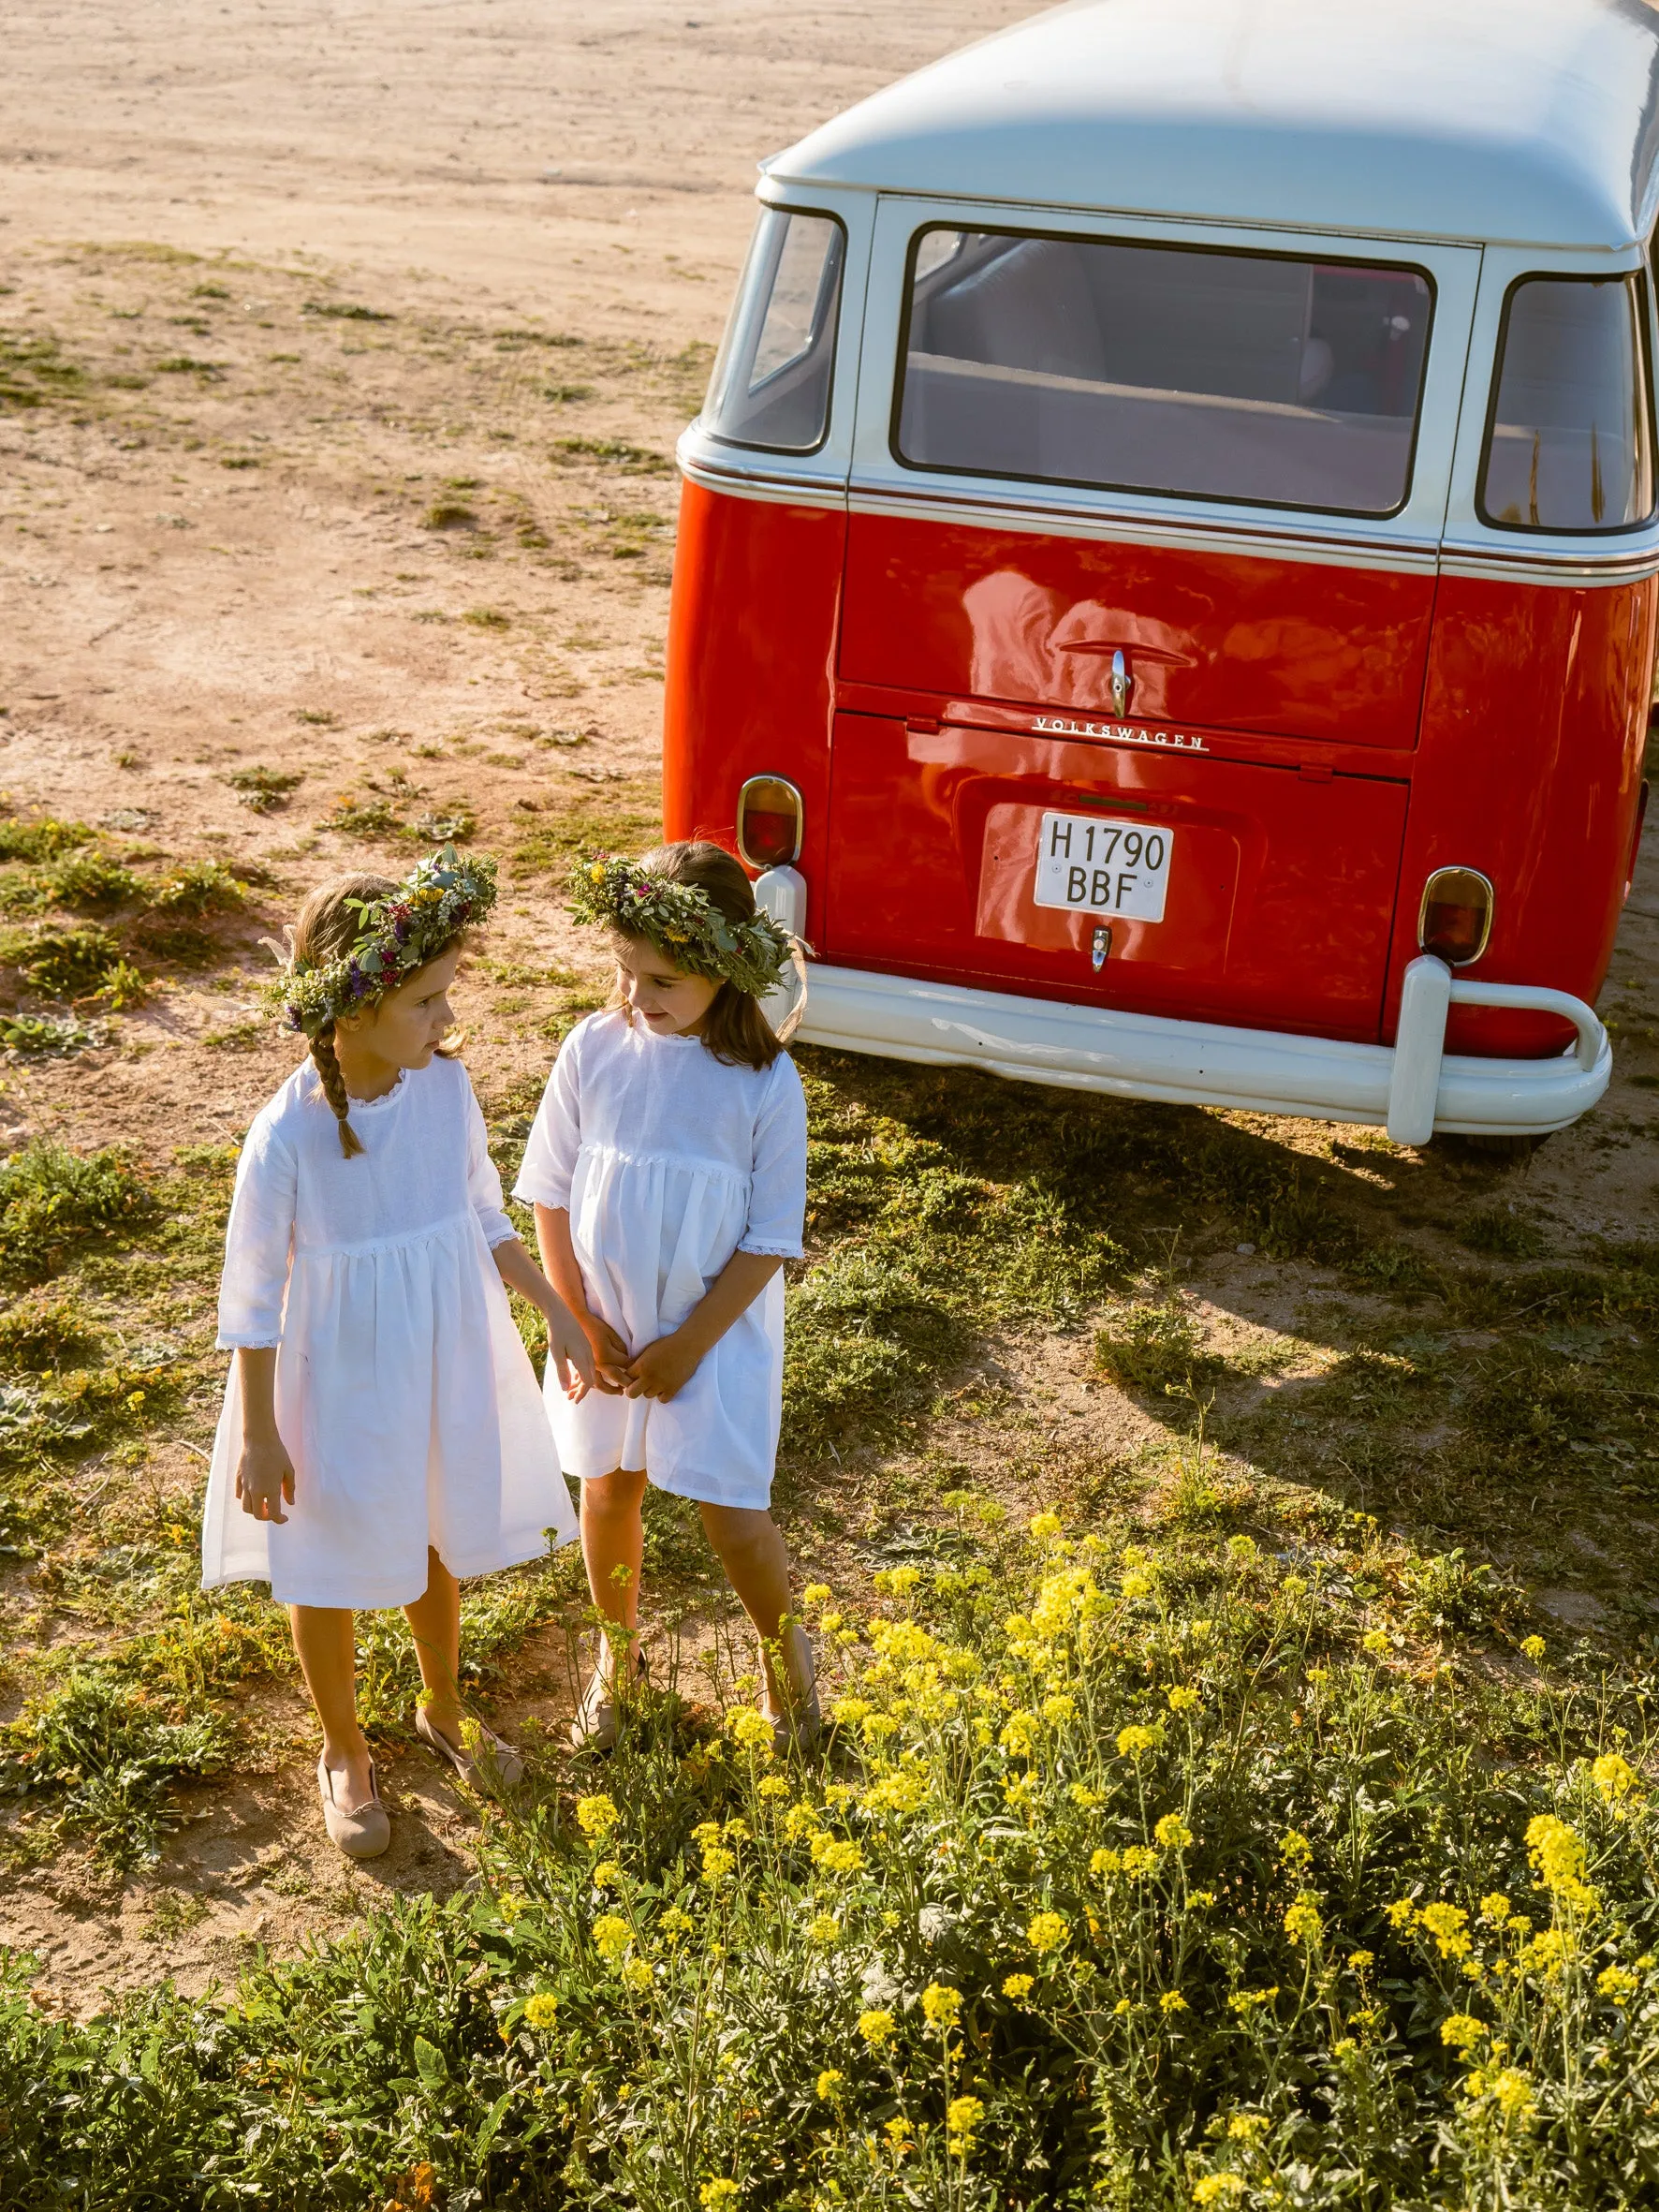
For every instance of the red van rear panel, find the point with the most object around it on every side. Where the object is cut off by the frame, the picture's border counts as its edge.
(1219, 640)
(1280, 887)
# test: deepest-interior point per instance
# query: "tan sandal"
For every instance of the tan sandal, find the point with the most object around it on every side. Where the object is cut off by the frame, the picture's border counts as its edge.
(483, 1761)
(803, 1723)
(598, 1718)
(362, 1832)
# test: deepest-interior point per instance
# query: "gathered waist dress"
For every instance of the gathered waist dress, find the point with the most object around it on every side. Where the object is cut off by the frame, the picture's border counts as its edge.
(405, 1394)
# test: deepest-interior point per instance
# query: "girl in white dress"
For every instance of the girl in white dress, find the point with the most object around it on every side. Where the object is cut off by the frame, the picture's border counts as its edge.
(668, 1170)
(382, 1433)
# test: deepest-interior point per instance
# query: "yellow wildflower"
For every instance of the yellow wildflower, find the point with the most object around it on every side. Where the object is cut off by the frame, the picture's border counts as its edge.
(714, 2193)
(902, 1579)
(903, 1791)
(1495, 1908)
(1448, 1924)
(1059, 1709)
(752, 1730)
(847, 1712)
(1401, 1914)
(1461, 2031)
(1136, 1585)
(612, 1935)
(1303, 1923)
(1046, 1527)
(1019, 1987)
(830, 2083)
(1376, 1641)
(1217, 2188)
(876, 2028)
(607, 1874)
(1173, 1833)
(1533, 1648)
(963, 2114)
(1171, 2002)
(1557, 1853)
(1138, 1860)
(542, 2010)
(1046, 1932)
(1104, 1863)
(1247, 2126)
(817, 1593)
(1183, 1700)
(1135, 1742)
(636, 1974)
(1294, 1848)
(771, 1786)
(675, 1924)
(595, 1817)
(1082, 1794)
(1020, 1734)
(942, 2005)
(1619, 1983)
(836, 1855)
(1614, 1777)
(717, 1864)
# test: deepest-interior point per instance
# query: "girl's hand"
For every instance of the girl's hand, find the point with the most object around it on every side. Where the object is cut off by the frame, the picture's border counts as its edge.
(610, 1356)
(265, 1478)
(567, 1347)
(663, 1368)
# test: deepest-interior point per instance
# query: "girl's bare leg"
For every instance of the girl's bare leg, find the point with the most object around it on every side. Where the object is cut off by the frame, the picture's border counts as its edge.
(434, 1622)
(328, 1660)
(757, 1567)
(613, 1551)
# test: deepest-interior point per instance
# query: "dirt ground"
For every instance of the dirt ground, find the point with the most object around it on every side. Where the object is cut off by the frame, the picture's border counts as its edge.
(361, 338)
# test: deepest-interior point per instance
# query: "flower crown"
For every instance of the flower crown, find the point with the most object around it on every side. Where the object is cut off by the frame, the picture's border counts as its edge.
(441, 896)
(682, 922)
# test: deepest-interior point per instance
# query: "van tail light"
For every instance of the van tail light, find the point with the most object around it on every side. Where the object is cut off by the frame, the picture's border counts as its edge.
(1455, 919)
(769, 821)
(1636, 839)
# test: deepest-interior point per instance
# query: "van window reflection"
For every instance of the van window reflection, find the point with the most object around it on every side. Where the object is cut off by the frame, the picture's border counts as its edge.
(771, 380)
(1569, 448)
(1204, 373)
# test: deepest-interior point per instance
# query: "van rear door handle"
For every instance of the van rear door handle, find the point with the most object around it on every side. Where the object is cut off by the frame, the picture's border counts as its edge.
(1122, 684)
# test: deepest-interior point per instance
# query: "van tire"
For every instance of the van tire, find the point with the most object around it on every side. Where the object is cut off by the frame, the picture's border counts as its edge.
(1495, 1149)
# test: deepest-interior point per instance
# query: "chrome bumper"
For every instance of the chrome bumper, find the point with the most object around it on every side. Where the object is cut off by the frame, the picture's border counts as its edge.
(1413, 1087)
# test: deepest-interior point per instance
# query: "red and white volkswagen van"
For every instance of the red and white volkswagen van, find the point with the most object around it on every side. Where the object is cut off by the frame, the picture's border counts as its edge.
(1165, 588)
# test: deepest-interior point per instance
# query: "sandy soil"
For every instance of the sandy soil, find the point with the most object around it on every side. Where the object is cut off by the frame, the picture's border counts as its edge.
(224, 544)
(372, 331)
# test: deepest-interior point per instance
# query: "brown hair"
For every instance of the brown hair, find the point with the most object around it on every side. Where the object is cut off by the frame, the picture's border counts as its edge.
(327, 929)
(734, 1028)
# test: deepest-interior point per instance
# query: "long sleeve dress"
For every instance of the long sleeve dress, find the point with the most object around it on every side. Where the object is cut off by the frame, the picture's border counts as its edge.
(669, 1161)
(404, 1393)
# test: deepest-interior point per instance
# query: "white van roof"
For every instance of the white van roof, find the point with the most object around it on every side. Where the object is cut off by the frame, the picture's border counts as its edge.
(1531, 121)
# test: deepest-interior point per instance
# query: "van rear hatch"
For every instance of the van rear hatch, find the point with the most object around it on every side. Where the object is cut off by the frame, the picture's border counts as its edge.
(1123, 760)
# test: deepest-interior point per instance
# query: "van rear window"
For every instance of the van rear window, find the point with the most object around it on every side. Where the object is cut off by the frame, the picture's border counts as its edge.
(1207, 373)
(771, 385)
(1568, 446)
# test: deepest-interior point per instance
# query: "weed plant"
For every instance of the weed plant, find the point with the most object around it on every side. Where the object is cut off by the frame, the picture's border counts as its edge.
(1147, 1879)
(52, 1199)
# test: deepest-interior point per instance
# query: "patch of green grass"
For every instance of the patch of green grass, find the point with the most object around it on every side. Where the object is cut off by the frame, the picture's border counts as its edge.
(364, 818)
(40, 1334)
(84, 880)
(488, 618)
(64, 962)
(43, 840)
(628, 819)
(53, 1200)
(262, 788)
(449, 515)
(202, 887)
(102, 1756)
(43, 1036)
(34, 371)
(345, 311)
(1505, 1235)
(1154, 1346)
(612, 453)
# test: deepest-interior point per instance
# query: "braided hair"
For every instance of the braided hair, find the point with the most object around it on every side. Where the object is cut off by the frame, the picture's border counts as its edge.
(327, 929)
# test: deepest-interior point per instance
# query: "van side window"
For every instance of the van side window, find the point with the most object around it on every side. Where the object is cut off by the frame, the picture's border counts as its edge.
(771, 385)
(1207, 373)
(1569, 444)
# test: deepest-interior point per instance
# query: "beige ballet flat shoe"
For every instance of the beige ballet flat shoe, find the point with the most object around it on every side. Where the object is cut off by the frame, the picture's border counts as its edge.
(599, 1716)
(362, 1832)
(483, 1762)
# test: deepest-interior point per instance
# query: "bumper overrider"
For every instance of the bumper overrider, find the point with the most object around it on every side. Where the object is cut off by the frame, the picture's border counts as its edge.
(1413, 1087)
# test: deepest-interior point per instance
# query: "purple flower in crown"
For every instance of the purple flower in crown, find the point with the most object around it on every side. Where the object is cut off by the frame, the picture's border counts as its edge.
(296, 1018)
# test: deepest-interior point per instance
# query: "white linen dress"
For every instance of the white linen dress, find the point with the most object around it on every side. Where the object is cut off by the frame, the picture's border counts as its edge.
(404, 1392)
(669, 1163)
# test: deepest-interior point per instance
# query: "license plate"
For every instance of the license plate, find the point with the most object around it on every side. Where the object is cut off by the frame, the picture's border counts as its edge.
(1095, 865)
